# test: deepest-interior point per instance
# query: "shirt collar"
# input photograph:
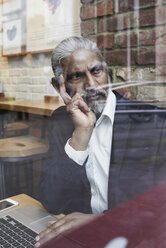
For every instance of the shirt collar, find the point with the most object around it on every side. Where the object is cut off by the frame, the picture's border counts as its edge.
(109, 109)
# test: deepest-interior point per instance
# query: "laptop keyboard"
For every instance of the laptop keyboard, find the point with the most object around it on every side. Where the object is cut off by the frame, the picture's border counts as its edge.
(14, 234)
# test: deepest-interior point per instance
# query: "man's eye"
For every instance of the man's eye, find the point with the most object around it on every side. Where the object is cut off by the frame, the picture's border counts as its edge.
(76, 76)
(97, 70)
(72, 77)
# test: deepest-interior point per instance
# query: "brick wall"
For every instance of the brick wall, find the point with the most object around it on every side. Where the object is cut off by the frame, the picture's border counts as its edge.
(23, 77)
(132, 37)
(25, 82)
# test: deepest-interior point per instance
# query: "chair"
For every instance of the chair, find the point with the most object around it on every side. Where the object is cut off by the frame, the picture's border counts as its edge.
(15, 129)
(20, 150)
(11, 126)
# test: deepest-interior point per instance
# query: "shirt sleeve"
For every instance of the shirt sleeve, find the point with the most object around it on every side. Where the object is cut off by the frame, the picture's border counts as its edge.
(77, 156)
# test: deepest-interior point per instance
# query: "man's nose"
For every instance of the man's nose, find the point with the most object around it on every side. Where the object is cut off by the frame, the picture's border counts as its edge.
(90, 82)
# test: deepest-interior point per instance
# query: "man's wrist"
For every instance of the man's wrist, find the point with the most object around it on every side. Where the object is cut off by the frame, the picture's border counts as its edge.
(80, 139)
(77, 156)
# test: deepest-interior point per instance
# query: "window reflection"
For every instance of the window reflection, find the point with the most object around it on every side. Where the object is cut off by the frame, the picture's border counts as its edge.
(119, 92)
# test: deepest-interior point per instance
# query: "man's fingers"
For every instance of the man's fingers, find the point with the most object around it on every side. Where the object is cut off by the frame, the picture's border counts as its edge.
(40, 241)
(62, 90)
(54, 230)
(59, 85)
(55, 84)
(55, 225)
(78, 105)
(65, 227)
(51, 228)
(51, 222)
(77, 102)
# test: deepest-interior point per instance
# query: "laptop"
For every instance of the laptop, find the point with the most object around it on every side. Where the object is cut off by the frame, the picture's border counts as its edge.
(19, 227)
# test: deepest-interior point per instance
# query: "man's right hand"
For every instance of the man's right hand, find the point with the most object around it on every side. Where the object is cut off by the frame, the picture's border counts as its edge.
(83, 118)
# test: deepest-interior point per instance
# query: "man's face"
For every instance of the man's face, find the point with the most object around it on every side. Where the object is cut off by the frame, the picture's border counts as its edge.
(85, 74)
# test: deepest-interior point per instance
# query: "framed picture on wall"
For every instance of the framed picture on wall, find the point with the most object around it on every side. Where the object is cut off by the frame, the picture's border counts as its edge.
(11, 6)
(13, 26)
(12, 37)
(50, 21)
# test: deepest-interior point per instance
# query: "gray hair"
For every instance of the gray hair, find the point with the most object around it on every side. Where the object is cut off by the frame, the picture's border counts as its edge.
(65, 49)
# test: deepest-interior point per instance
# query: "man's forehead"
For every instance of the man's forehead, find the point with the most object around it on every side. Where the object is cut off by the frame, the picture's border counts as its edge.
(82, 59)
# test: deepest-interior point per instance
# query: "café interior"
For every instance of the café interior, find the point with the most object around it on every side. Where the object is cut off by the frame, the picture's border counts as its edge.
(131, 35)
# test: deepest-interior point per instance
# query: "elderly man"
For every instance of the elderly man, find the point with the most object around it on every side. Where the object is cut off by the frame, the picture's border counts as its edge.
(90, 168)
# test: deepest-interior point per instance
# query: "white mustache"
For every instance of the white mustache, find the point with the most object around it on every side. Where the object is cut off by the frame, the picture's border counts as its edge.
(96, 91)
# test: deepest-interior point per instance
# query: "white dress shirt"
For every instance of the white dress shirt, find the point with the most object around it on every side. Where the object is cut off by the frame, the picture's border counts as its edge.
(99, 151)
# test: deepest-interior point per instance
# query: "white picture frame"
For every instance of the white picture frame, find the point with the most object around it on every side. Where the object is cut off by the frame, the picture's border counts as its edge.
(49, 22)
(12, 37)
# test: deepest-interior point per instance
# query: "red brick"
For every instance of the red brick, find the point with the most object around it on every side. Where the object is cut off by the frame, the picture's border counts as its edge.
(96, 10)
(161, 55)
(147, 37)
(105, 41)
(88, 27)
(107, 24)
(161, 70)
(105, 8)
(128, 21)
(149, 3)
(133, 39)
(128, 5)
(160, 35)
(164, 70)
(124, 40)
(125, 5)
(87, 1)
(160, 16)
(116, 23)
(121, 40)
(87, 11)
(147, 18)
(164, 36)
(140, 38)
(118, 57)
(145, 56)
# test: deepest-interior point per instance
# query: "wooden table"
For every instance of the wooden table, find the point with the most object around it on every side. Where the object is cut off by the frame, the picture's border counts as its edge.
(24, 199)
(3, 98)
(43, 107)
(39, 107)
